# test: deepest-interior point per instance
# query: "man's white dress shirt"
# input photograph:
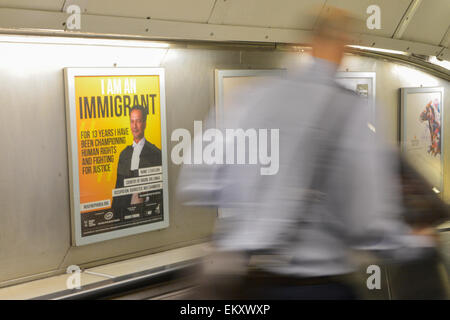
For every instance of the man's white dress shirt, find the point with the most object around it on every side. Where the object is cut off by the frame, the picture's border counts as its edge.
(137, 149)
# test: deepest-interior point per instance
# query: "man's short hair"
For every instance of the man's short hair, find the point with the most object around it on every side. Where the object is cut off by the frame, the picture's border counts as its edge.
(334, 23)
(143, 111)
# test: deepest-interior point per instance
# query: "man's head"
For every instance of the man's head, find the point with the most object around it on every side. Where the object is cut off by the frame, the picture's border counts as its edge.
(331, 34)
(138, 121)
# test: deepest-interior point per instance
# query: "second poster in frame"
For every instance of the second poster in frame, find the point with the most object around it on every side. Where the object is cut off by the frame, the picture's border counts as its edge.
(422, 132)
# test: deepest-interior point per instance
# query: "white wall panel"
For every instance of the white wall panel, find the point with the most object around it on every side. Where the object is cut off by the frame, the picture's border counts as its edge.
(51, 5)
(391, 13)
(430, 22)
(184, 10)
(266, 13)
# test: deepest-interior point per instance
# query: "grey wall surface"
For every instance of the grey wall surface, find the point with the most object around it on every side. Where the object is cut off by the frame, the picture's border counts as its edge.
(34, 203)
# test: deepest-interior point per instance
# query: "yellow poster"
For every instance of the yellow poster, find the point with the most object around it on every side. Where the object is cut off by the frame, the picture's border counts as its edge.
(118, 174)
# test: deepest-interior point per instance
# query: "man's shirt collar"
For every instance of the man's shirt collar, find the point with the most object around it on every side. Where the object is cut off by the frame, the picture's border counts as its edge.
(140, 143)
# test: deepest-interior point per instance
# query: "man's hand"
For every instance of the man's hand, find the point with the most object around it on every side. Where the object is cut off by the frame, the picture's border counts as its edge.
(135, 199)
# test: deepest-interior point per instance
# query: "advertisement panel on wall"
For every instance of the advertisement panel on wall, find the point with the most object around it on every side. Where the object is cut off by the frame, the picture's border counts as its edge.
(117, 152)
(364, 84)
(229, 85)
(422, 132)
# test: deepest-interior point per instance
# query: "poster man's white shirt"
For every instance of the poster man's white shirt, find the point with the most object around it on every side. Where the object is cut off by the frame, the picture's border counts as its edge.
(137, 148)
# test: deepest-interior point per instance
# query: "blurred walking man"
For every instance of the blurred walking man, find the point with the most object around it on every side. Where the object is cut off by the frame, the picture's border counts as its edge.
(334, 190)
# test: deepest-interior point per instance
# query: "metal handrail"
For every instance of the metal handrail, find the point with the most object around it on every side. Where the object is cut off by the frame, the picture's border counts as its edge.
(119, 285)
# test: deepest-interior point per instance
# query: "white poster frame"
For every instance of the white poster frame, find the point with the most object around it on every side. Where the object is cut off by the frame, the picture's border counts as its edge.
(404, 92)
(72, 139)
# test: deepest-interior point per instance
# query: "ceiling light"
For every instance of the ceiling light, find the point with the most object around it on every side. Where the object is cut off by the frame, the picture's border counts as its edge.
(378, 50)
(444, 63)
(83, 41)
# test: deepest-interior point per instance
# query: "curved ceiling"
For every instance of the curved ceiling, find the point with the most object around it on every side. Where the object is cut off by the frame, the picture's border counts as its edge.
(414, 26)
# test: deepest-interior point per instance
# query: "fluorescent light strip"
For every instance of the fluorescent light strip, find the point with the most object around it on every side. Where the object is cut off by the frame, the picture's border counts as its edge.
(444, 63)
(82, 41)
(378, 50)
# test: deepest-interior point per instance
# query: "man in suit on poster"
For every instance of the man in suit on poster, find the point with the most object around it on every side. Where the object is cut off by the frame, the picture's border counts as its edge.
(141, 154)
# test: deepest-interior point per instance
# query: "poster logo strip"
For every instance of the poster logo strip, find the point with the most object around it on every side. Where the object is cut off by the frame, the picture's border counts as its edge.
(136, 189)
(142, 180)
(150, 171)
(95, 205)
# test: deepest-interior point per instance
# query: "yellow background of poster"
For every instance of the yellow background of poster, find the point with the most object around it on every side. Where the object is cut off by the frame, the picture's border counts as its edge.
(99, 186)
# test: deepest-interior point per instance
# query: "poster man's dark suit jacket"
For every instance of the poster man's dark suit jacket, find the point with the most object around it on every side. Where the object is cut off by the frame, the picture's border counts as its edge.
(150, 156)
